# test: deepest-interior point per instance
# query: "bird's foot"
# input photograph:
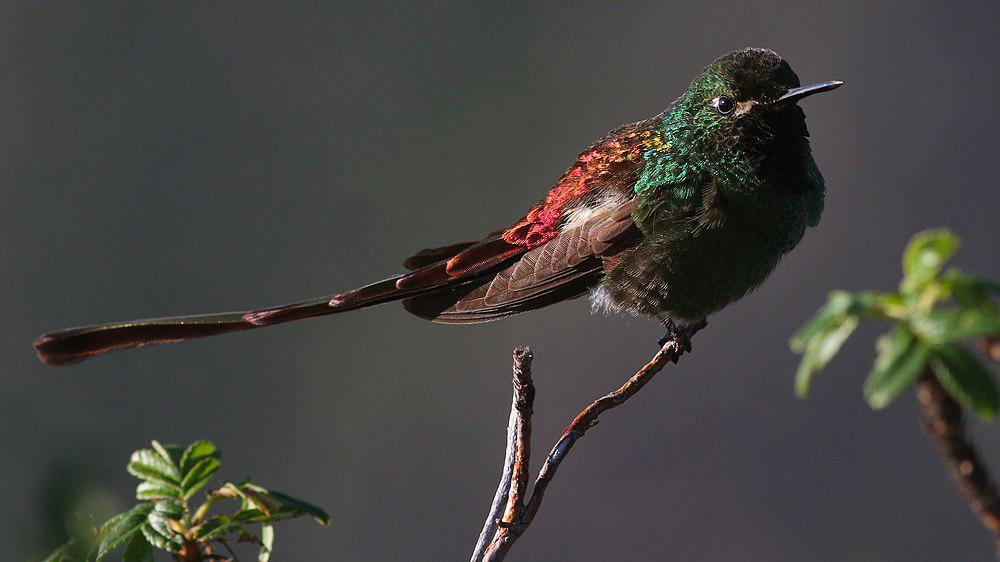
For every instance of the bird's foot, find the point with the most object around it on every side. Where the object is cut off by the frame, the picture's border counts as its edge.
(680, 337)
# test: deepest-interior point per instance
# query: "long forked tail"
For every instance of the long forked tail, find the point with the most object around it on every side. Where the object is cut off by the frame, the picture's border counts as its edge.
(76, 344)
(461, 283)
(433, 269)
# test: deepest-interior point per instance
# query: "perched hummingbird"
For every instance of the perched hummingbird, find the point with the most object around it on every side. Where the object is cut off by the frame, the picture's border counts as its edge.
(672, 217)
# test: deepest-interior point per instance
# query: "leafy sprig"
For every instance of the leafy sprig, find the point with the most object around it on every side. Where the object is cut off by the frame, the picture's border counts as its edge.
(170, 476)
(933, 314)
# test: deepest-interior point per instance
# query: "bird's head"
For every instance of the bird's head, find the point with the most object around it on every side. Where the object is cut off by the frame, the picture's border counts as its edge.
(742, 109)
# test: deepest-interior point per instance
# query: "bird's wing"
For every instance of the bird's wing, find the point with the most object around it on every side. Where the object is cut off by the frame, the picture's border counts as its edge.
(613, 165)
(563, 268)
(609, 167)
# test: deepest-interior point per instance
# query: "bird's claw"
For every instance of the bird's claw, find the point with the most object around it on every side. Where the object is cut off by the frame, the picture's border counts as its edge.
(680, 337)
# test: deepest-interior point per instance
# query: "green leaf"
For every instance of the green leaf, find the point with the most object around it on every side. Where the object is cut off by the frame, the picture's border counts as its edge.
(157, 529)
(154, 537)
(276, 505)
(151, 466)
(258, 497)
(114, 520)
(155, 491)
(158, 532)
(170, 453)
(120, 528)
(924, 257)
(266, 542)
(970, 291)
(838, 304)
(254, 515)
(171, 509)
(161, 524)
(195, 453)
(198, 475)
(315, 512)
(138, 550)
(901, 360)
(966, 379)
(956, 324)
(821, 348)
(217, 527)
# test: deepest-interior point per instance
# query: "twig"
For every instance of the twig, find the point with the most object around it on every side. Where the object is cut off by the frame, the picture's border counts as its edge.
(509, 517)
(517, 425)
(943, 420)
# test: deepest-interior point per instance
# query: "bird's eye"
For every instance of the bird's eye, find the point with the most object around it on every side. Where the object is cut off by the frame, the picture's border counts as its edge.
(724, 104)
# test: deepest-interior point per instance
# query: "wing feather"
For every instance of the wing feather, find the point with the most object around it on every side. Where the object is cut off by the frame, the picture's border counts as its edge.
(563, 268)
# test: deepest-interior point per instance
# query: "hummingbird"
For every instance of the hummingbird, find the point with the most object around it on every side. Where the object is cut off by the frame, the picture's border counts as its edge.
(673, 217)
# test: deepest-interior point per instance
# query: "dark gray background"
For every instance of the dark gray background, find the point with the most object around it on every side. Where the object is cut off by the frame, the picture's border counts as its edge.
(164, 161)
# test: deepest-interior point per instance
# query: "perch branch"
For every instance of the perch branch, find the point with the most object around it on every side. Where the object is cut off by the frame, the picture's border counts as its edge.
(943, 420)
(518, 437)
(510, 516)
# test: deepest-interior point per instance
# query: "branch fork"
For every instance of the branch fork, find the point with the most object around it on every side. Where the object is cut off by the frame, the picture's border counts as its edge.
(510, 514)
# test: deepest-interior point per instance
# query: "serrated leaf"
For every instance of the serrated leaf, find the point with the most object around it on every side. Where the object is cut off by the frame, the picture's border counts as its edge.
(314, 511)
(122, 527)
(153, 536)
(152, 467)
(254, 515)
(159, 532)
(924, 257)
(820, 350)
(170, 453)
(138, 549)
(266, 542)
(171, 509)
(196, 452)
(258, 497)
(114, 520)
(966, 380)
(161, 524)
(956, 324)
(198, 475)
(901, 360)
(217, 527)
(276, 505)
(157, 491)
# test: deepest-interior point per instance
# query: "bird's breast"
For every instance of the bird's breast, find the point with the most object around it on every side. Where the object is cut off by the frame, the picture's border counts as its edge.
(687, 272)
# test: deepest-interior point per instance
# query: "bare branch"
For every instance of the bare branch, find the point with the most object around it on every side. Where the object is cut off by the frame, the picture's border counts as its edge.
(518, 440)
(943, 420)
(509, 516)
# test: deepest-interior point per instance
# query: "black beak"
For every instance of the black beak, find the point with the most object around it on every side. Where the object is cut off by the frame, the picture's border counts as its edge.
(795, 94)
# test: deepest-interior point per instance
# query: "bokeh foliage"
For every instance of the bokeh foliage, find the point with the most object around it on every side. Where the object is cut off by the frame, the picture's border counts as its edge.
(163, 519)
(934, 315)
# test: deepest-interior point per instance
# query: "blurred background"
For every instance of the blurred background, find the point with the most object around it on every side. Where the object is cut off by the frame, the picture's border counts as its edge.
(188, 159)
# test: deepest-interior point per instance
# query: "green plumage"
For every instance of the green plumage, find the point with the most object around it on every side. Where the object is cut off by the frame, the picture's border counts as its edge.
(725, 196)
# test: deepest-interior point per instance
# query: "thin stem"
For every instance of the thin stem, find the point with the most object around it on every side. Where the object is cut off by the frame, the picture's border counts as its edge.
(519, 422)
(588, 418)
(943, 420)
(203, 509)
(500, 533)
